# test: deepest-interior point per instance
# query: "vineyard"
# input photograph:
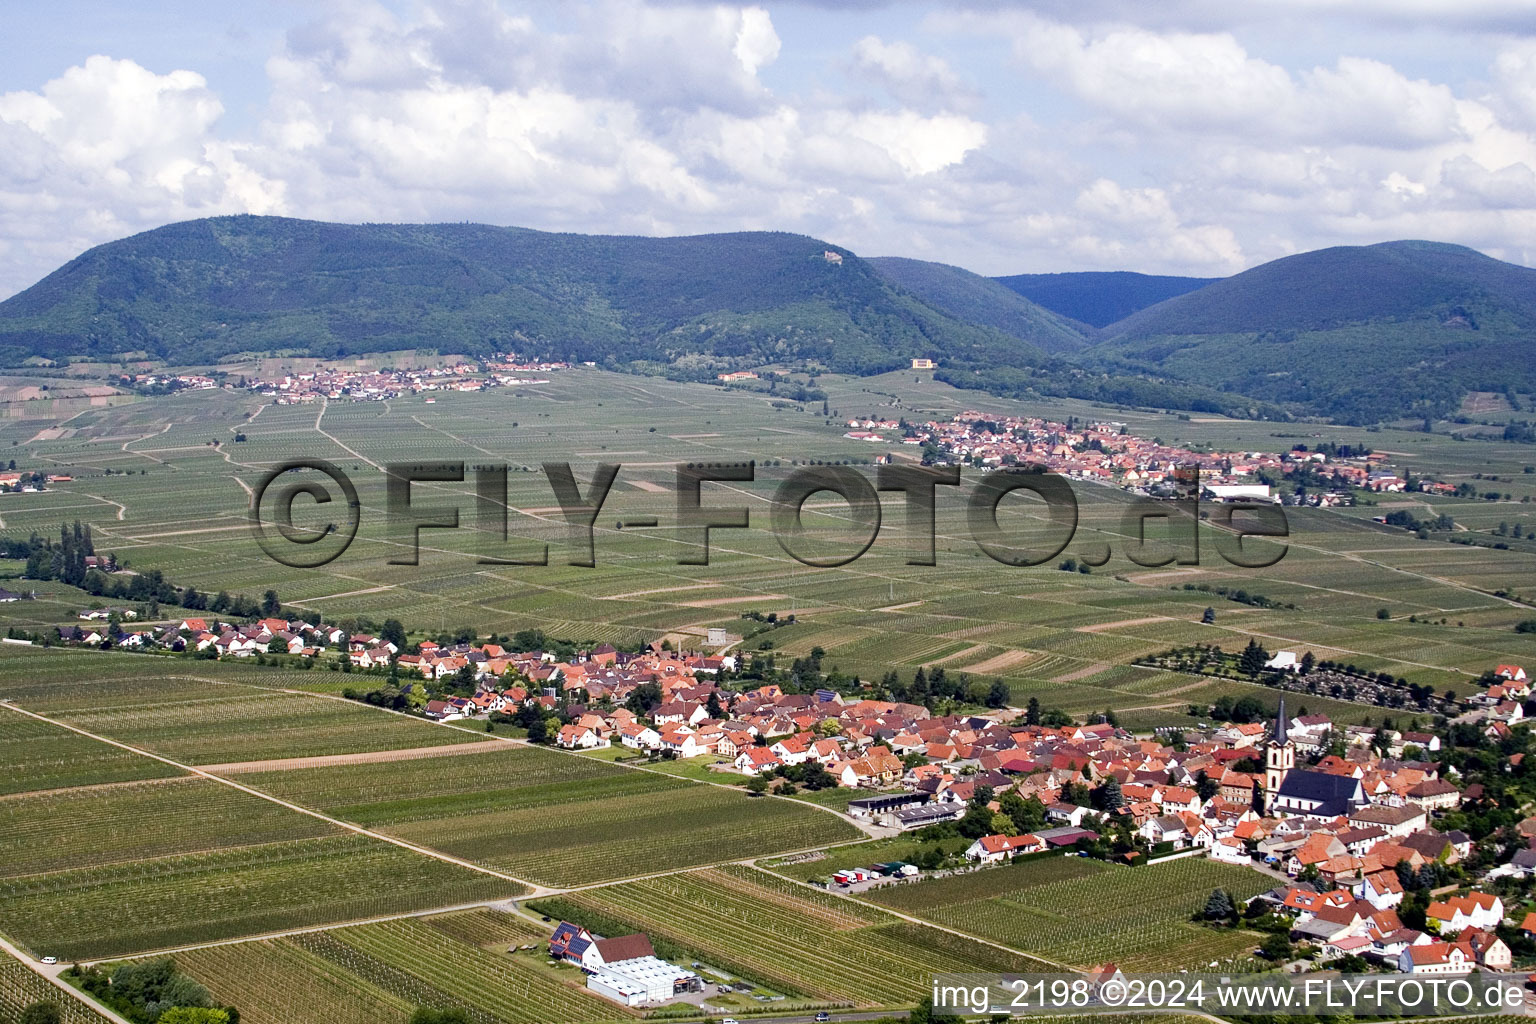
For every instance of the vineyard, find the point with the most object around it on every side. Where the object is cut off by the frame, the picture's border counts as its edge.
(182, 900)
(249, 727)
(1137, 917)
(796, 939)
(279, 982)
(915, 898)
(98, 827)
(38, 756)
(20, 987)
(555, 818)
(416, 962)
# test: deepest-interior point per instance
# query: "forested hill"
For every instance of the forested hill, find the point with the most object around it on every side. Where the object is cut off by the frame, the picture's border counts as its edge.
(1361, 333)
(983, 300)
(201, 289)
(1098, 299)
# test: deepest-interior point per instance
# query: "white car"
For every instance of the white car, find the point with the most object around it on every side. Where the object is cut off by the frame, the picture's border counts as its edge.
(50, 960)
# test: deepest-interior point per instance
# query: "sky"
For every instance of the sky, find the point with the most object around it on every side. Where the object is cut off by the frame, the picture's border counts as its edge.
(1197, 137)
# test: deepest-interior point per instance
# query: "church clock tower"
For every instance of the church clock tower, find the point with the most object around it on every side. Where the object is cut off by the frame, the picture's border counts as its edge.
(1279, 759)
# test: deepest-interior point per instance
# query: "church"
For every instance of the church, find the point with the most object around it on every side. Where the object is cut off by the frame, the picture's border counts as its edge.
(1290, 790)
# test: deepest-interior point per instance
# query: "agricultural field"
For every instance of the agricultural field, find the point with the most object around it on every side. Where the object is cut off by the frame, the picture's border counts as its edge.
(99, 827)
(42, 756)
(793, 938)
(185, 899)
(1082, 913)
(556, 818)
(178, 505)
(20, 987)
(379, 974)
(257, 725)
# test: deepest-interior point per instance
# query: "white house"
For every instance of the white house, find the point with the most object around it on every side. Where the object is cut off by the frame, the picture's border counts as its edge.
(1474, 910)
(997, 848)
(1436, 958)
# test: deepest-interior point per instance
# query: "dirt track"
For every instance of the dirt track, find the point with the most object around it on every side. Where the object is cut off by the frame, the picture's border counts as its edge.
(367, 757)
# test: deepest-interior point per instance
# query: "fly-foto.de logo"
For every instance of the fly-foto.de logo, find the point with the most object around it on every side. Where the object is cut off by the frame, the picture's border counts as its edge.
(320, 486)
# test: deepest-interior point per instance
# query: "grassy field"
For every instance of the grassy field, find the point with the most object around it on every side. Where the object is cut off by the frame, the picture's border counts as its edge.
(1083, 913)
(795, 939)
(556, 818)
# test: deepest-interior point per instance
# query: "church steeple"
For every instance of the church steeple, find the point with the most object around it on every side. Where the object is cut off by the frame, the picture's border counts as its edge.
(1279, 759)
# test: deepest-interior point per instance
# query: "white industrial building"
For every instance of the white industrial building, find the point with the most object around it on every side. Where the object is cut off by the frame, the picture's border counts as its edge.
(646, 979)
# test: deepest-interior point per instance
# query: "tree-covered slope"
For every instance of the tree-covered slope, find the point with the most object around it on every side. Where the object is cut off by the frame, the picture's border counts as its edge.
(201, 289)
(1098, 299)
(982, 300)
(1359, 333)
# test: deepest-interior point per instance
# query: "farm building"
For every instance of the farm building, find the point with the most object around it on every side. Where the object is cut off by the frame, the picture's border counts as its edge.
(624, 968)
(646, 979)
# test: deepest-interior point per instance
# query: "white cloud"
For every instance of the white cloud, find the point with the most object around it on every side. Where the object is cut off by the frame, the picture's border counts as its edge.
(109, 148)
(917, 79)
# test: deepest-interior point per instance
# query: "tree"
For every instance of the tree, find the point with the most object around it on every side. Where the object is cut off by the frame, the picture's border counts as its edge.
(1032, 712)
(1108, 796)
(757, 785)
(977, 821)
(1253, 658)
(1383, 613)
(393, 632)
(194, 1015)
(998, 694)
(269, 604)
(1208, 616)
(427, 1015)
(1205, 786)
(927, 1013)
(1219, 907)
(713, 706)
(538, 731)
(41, 1013)
(1308, 662)
(1027, 815)
(1276, 947)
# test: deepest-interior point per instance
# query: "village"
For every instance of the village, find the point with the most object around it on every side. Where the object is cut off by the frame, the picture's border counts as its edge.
(341, 384)
(1349, 820)
(1107, 453)
(380, 385)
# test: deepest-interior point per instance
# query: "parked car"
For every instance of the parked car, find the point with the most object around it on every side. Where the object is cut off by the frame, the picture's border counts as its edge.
(823, 1016)
(50, 960)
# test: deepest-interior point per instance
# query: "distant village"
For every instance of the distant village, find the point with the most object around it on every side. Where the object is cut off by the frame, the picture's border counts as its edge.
(337, 384)
(1106, 452)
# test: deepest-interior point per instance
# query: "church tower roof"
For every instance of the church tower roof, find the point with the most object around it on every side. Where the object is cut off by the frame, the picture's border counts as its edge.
(1280, 723)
